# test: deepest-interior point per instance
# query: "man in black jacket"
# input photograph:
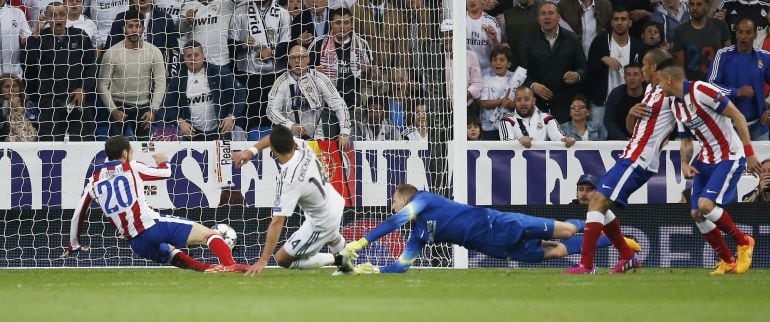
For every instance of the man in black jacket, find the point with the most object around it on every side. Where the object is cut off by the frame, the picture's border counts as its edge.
(609, 53)
(554, 61)
(61, 73)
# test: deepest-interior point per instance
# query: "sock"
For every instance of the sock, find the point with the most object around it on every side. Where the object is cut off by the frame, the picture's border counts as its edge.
(182, 260)
(220, 249)
(714, 237)
(593, 228)
(336, 246)
(315, 261)
(580, 224)
(573, 244)
(722, 219)
(613, 232)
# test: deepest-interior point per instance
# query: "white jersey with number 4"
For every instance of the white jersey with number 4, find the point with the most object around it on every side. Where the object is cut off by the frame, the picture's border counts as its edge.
(303, 181)
(118, 188)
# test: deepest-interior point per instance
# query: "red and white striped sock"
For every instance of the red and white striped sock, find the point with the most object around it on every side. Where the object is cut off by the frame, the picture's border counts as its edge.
(594, 223)
(220, 249)
(184, 261)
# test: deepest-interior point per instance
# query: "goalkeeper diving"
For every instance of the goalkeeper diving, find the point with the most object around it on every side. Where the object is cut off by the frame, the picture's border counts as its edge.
(504, 235)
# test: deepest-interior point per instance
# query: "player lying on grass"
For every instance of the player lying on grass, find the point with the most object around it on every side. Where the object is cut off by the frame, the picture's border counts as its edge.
(301, 180)
(118, 188)
(504, 235)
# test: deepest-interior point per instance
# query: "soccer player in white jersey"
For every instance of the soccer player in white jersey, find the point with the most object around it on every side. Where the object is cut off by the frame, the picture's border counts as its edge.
(483, 34)
(208, 22)
(103, 13)
(702, 111)
(118, 188)
(301, 181)
(652, 122)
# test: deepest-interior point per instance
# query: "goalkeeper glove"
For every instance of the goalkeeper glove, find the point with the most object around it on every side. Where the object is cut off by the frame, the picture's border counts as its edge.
(367, 268)
(357, 245)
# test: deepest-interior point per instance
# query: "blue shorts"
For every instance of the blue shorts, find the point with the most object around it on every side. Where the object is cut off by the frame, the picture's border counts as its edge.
(153, 243)
(622, 180)
(717, 182)
(517, 236)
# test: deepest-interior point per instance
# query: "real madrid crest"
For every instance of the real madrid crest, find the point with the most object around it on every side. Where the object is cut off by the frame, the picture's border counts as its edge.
(760, 64)
(540, 126)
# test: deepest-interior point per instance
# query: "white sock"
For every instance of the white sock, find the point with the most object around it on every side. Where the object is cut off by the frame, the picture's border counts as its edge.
(609, 216)
(715, 214)
(706, 226)
(336, 245)
(594, 216)
(315, 261)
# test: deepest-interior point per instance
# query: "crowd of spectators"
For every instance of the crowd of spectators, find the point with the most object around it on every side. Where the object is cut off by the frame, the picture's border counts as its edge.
(83, 70)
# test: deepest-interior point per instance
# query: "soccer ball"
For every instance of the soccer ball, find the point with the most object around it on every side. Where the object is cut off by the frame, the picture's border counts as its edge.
(228, 234)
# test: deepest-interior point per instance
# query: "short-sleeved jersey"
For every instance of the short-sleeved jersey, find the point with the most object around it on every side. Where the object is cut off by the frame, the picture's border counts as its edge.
(118, 188)
(211, 28)
(276, 26)
(735, 10)
(540, 126)
(479, 43)
(14, 26)
(497, 87)
(700, 112)
(652, 131)
(103, 13)
(171, 7)
(302, 181)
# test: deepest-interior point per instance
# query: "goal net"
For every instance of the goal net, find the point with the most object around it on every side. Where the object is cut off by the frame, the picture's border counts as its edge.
(386, 63)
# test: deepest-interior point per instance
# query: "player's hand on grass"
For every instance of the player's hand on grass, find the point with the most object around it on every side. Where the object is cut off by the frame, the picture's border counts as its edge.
(367, 268)
(256, 269)
(75, 251)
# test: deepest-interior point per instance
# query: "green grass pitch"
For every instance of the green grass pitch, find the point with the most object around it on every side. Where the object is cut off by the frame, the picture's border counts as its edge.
(420, 295)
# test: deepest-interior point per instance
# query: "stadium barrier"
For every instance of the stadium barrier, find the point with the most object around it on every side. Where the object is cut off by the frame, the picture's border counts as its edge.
(669, 238)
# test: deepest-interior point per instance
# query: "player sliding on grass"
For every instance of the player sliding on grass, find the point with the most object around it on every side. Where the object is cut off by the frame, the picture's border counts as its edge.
(504, 235)
(118, 188)
(702, 111)
(301, 180)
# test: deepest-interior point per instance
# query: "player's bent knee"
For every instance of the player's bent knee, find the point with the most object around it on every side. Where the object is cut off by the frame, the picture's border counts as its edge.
(283, 258)
(705, 206)
(599, 203)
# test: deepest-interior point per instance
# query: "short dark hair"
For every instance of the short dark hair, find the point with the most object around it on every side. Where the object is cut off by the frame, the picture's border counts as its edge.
(765, 161)
(192, 44)
(115, 146)
(620, 8)
(651, 23)
(582, 98)
(342, 11)
(657, 56)
(133, 14)
(281, 139)
(753, 24)
(633, 65)
(474, 121)
(540, 6)
(407, 190)
(500, 50)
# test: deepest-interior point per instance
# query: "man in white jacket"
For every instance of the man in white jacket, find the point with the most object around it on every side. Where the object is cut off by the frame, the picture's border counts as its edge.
(298, 98)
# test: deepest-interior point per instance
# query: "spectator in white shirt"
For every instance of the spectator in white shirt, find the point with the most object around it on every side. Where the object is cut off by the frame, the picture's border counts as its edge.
(76, 19)
(14, 31)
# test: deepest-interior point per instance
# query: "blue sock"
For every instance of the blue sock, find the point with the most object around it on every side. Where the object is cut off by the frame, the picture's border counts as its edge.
(580, 224)
(573, 244)
(603, 242)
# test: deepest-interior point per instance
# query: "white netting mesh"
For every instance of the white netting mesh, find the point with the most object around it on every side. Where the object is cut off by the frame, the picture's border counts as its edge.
(88, 82)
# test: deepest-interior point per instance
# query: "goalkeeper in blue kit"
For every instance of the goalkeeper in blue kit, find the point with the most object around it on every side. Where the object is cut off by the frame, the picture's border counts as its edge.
(503, 235)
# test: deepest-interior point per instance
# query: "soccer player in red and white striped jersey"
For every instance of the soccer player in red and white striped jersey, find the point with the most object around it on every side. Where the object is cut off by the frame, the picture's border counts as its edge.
(652, 121)
(701, 109)
(118, 188)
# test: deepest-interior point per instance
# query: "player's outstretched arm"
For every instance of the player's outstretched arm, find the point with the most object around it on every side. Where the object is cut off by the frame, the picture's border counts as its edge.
(245, 156)
(271, 241)
(752, 163)
(393, 222)
(160, 172)
(77, 222)
(407, 258)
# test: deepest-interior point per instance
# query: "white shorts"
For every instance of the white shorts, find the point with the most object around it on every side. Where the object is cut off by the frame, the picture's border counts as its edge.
(306, 241)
